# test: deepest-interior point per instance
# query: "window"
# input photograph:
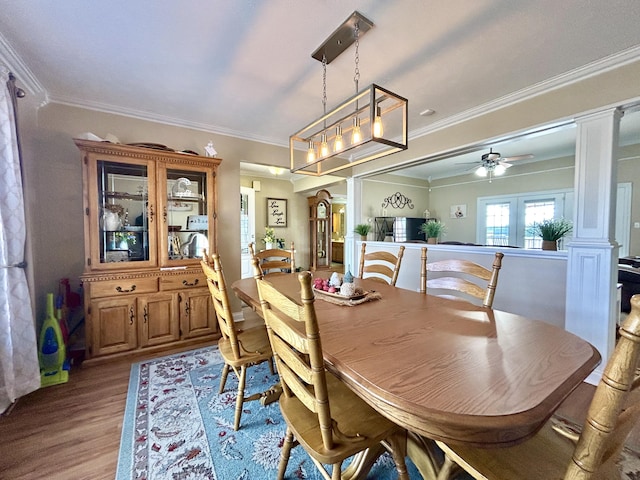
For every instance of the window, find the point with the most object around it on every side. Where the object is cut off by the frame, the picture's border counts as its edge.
(503, 220)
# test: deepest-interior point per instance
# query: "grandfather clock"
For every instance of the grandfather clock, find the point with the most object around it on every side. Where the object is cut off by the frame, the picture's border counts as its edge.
(320, 230)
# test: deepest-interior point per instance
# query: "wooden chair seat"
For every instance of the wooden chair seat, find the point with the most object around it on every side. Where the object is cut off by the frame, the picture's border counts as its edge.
(354, 417)
(255, 344)
(555, 454)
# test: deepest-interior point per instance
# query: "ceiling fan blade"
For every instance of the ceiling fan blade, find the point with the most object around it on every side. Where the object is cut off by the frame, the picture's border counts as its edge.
(505, 164)
(517, 157)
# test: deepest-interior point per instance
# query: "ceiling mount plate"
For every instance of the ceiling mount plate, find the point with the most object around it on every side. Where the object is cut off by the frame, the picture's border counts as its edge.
(343, 37)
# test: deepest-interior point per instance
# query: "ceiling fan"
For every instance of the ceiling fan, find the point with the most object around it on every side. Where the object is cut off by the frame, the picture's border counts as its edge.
(493, 164)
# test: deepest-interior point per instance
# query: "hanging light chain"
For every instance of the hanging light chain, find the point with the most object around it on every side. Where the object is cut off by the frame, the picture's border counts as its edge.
(356, 76)
(324, 83)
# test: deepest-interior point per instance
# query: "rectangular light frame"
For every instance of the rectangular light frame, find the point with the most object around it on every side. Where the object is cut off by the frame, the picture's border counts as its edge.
(363, 105)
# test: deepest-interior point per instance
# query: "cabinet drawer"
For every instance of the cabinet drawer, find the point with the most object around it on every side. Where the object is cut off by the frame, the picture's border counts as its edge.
(125, 286)
(181, 282)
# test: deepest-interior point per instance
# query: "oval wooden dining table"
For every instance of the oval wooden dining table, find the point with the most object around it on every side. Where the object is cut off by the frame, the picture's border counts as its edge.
(446, 369)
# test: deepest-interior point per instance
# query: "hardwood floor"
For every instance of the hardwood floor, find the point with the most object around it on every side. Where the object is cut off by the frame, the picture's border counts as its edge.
(72, 431)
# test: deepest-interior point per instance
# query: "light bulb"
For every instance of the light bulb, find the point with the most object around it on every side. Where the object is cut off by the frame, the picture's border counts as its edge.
(338, 143)
(482, 171)
(356, 134)
(499, 170)
(324, 147)
(378, 129)
(311, 153)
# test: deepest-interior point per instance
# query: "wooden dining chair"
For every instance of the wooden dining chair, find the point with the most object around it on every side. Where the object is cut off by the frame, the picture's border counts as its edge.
(591, 455)
(463, 279)
(330, 421)
(374, 264)
(239, 348)
(275, 260)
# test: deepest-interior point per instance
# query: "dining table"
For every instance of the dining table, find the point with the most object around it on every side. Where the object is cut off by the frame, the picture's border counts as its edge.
(442, 368)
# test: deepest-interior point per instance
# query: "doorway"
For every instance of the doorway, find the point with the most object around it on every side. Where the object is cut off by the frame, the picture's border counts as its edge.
(247, 229)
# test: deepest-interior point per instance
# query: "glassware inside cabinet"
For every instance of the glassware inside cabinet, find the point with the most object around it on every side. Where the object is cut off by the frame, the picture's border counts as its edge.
(122, 217)
(186, 214)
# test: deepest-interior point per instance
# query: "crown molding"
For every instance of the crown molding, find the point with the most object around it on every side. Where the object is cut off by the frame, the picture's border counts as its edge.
(592, 69)
(163, 119)
(24, 75)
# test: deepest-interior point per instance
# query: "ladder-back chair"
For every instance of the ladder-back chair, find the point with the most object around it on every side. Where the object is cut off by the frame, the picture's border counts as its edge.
(463, 278)
(275, 260)
(239, 348)
(591, 455)
(380, 263)
(330, 421)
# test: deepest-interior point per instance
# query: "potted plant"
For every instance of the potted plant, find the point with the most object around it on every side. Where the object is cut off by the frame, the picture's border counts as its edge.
(363, 230)
(269, 238)
(432, 230)
(551, 230)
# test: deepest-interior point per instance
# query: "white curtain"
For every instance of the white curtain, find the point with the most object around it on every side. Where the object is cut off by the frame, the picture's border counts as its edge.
(19, 368)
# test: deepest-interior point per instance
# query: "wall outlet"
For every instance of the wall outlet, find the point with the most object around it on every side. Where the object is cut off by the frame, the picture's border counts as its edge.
(636, 225)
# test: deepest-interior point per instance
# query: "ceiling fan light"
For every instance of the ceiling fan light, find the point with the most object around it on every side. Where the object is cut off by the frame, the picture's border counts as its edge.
(482, 171)
(499, 169)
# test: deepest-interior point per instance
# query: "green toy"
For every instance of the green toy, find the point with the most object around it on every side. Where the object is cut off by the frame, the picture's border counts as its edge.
(54, 368)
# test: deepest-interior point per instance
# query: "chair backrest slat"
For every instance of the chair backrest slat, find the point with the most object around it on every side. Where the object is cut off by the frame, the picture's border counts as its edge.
(380, 263)
(212, 268)
(466, 273)
(274, 260)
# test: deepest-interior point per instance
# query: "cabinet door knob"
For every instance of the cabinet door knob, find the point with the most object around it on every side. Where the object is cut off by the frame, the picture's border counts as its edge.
(146, 314)
(131, 315)
(187, 284)
(151, 213)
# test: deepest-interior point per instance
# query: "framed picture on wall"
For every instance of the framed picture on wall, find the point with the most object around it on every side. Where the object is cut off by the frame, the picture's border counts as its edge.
(276, 212)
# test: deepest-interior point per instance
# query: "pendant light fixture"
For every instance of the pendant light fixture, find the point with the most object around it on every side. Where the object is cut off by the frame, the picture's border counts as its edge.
(369, 125)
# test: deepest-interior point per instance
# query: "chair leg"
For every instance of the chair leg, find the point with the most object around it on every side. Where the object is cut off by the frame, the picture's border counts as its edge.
(448, 469)
(336, 473)
(240, 399)
(223, 378)
(271, 369)
(398, 444)
(285, 453)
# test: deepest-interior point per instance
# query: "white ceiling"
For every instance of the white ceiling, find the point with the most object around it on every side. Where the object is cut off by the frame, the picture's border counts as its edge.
(244, 67)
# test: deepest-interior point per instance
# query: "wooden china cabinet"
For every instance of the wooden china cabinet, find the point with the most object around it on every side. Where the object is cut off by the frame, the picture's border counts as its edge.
(320, 230)
(149, 214)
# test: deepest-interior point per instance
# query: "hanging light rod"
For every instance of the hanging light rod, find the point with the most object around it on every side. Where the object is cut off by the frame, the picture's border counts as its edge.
(342, 38)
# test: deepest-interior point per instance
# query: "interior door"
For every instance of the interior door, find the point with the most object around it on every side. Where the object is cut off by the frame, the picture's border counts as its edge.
(247, 228)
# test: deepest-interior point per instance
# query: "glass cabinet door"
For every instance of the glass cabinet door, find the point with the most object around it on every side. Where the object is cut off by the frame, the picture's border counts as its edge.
(185, 223)
(124, 221)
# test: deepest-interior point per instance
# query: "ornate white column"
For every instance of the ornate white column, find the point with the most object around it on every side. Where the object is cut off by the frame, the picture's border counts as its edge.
(593, 251)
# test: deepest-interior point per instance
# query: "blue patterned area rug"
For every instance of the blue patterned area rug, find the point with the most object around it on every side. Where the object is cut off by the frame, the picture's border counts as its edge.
(177, 427)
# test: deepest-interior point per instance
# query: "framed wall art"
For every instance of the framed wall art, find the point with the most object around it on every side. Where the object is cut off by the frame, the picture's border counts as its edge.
(276, 212)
